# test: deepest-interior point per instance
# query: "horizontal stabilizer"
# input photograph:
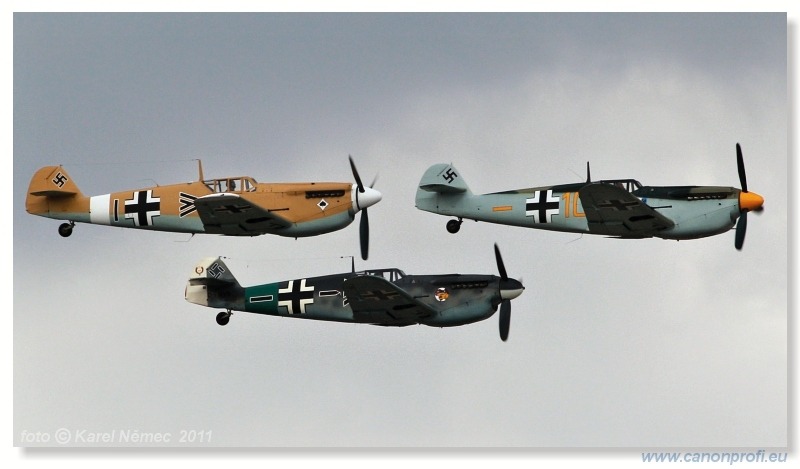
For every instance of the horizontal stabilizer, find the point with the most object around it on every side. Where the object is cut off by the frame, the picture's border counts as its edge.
(55, 194)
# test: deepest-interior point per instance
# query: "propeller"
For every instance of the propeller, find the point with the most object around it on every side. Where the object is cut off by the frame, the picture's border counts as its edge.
(741, 229)
(363, 197)
(509, 289)
(740, 167)
(748, 201)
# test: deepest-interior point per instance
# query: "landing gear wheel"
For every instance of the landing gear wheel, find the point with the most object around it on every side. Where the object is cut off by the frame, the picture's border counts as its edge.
(65, 229)
(453, 226)
(223, 318)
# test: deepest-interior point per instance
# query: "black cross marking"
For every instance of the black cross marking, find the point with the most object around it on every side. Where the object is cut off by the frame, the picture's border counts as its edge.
(540, 206)
(142, 207)
(215, 270)
(450, 175)
(296, 296)
(60, 180)
(234, 208)
(379, 295)
(617, 205)
(187, 203)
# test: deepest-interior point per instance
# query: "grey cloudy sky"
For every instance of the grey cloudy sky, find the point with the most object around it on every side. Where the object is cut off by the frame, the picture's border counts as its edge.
(620, 344)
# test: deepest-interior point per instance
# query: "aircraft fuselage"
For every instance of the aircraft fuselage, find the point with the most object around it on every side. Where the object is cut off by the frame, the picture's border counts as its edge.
(455, 299)
(697, 211)
(251, 208)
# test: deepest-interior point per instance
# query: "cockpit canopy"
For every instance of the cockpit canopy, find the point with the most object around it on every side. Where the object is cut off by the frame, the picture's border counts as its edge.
(391, 275)
(630, 185)
(235, 184)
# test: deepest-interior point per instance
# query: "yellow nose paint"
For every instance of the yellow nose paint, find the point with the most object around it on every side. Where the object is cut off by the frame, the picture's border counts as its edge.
(750, 201)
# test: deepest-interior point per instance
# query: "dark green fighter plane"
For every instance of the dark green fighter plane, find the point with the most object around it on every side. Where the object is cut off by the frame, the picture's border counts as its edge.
(384, 297)
(621, 208)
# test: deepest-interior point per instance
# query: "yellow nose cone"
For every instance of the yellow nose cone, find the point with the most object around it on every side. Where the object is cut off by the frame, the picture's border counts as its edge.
(750, 201)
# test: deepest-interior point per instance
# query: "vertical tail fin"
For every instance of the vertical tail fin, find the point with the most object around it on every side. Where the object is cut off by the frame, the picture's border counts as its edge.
(440, 182)
(51, 183)
(211, 283)
(443, 178)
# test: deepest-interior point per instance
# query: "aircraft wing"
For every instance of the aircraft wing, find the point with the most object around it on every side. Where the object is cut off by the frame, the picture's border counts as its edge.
(231, 214)
(614, 211)
(378, 301)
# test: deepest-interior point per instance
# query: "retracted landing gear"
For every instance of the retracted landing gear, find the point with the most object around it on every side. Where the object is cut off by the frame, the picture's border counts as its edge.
(65, 229)
(454, 225)
(223, 317)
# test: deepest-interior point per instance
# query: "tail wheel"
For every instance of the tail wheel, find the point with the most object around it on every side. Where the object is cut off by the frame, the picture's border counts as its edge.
(223, 318)
(65, 229)
(453, 226)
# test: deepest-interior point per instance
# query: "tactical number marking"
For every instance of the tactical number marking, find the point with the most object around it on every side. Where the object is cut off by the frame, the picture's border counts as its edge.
(571, 205)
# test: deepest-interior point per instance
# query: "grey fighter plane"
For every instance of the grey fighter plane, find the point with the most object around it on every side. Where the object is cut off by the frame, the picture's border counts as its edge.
(621, 208)
(384, 297)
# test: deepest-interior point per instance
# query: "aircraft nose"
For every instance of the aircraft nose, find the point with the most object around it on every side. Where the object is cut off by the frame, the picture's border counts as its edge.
(368, 198)
(510, 289)
(750, 201)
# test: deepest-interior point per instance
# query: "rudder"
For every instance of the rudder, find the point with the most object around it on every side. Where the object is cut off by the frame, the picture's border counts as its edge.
(211, 283)
(440, 181)
(49, 183)
(52, 181)
(443, 178)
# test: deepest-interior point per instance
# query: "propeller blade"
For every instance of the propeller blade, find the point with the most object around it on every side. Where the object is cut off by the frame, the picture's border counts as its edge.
(361, 203)
(741, 229)
(364, 234)
(740, 165)
(588, 173)
(505, 319)
(355, 175)
(509, 289)
(500, 266)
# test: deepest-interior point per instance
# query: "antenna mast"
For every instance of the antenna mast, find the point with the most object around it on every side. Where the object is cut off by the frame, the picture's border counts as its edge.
(200, 169)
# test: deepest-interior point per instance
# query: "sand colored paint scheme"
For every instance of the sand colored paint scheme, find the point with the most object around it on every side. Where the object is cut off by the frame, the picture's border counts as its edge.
(620, 208)
(233, 206)
(383, 297)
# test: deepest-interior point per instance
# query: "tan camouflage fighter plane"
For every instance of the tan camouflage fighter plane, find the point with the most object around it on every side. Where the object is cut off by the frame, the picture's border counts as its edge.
(233, 206)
